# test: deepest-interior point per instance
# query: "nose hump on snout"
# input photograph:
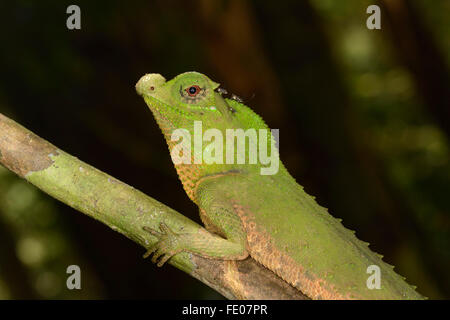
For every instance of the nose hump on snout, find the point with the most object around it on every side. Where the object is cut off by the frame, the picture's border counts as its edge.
(149, 83)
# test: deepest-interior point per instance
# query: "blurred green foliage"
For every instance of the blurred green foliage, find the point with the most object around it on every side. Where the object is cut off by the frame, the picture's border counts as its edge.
(355, 128)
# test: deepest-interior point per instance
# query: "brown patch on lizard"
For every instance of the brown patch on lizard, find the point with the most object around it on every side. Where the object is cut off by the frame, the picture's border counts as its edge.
(244, 279)
(263, 250)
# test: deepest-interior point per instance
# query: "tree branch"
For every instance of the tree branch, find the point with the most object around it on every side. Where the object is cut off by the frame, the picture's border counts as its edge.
(127, 210)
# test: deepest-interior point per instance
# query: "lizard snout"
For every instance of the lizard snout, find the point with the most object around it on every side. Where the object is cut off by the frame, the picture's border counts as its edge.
(148, 83)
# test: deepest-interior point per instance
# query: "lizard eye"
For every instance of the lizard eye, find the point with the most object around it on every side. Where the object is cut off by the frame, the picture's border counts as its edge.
(193, 94)
(193, 90)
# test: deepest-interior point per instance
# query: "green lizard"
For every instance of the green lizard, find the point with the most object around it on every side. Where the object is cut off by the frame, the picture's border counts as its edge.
(267, 216)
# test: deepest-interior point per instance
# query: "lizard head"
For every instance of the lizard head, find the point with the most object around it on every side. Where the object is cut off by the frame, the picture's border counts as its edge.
(177, 103)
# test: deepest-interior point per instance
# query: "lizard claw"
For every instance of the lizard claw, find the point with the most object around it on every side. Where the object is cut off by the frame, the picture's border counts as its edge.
(167, 246)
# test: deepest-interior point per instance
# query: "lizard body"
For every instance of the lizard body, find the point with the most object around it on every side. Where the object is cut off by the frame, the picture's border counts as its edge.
(267, 216)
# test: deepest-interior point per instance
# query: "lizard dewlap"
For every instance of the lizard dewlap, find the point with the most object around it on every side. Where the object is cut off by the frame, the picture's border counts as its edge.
(267, 216)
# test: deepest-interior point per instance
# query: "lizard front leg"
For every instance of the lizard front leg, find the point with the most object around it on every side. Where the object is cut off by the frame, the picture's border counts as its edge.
(220, 216)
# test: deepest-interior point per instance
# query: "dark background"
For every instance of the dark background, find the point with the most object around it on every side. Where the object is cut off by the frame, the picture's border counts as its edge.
(363, 118)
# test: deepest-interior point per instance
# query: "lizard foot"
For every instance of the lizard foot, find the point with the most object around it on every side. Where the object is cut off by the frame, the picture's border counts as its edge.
(168, 245)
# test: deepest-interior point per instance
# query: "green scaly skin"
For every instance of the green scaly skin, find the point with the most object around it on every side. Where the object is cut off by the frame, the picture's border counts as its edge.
(268, 217)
